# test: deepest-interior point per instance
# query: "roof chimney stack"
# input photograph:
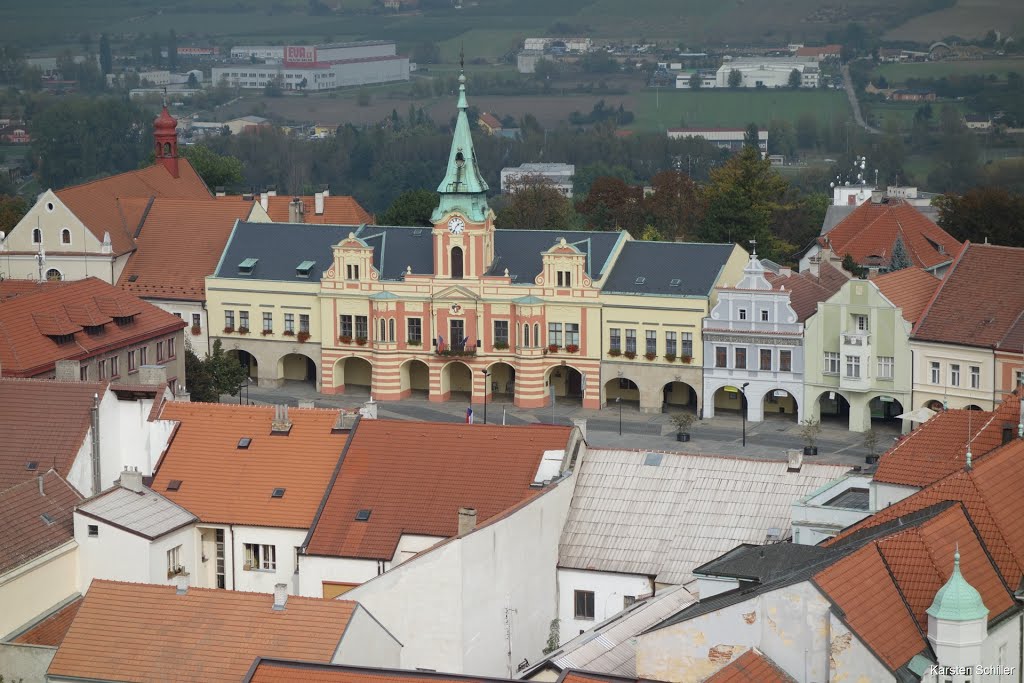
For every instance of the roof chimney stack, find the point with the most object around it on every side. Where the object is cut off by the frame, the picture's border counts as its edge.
(265, 200)
(281, 424)
(181, 582)
(467, 520)
(813, 264)
(131, 479)
(152, 375)
(280, 596)
(318, 200)
(295, 210)
(795, 457)
(42, 491)
(219, 191)
(68, 371)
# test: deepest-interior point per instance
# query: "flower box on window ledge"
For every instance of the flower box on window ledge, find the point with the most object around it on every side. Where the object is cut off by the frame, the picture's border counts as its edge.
(553, 348)
(303, 337)
(650, 356)
(630, 354)
(572, 348)
(177, 571)
(500, 346)
(228, 330)
(361, 341)
(243, 330)
(469, 351)
(686, 359)
(414, 342)
(266, 332)
(670, 357)
(197, 330)
(614, 353)
(345, 339)
(289, 333)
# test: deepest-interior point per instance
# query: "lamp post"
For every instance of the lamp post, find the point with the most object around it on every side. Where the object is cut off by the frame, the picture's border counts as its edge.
(486, 378)
(618, 402)
(743, 409)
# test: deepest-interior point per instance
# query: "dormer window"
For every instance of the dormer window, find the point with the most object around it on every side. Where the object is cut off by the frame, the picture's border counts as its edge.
(304, 269)
(124, 319)
(93, 329)
(352, 271)
(62, 338)
(247, 266)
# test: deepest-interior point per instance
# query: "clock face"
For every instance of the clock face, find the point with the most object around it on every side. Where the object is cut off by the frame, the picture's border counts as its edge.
(456, 225)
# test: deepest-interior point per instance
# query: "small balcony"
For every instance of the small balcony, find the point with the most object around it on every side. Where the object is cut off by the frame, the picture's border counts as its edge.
(861, 339)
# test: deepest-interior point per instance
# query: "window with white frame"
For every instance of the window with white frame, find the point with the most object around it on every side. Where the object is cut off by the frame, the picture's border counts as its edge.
(861, 323)
(831, 363)
(687, 344)
(740, 357)
(886, 365)
(501, 333)
(174, 566)
(975, 377)
(260, 557)
(229, 320)
(954, 374)
(345, 326)
(936, 372)
(554, 334)
(743, 314)
(651, 337)
(414, 330)
(630, 340)
(304, 322)
(614, 339)
(584, 604)
(853, 367)
(289, 323)
(764, 315)
(670, 343)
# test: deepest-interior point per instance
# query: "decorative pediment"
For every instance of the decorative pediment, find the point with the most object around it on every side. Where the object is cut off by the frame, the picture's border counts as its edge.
(456, 292)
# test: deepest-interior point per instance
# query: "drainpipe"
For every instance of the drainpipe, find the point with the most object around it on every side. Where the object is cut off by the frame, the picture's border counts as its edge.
(95, 414)
(232, 527)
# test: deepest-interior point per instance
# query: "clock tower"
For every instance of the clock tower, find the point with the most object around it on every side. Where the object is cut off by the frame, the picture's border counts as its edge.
(463, 222)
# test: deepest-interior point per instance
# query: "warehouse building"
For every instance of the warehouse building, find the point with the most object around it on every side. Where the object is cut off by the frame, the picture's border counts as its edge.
(769, 72)
(315, 67)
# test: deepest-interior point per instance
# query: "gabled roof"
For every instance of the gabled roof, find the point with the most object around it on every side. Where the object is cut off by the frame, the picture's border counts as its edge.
(663, 514)
(338, 210)
(909, 289)
(145, 513)
(980, 301)
(520, 251)
(44, 422)
(179, 243)
(51, 629)
(808, 290)
(35, 522)
(205, 457)
(652, 267)
(32, 321)
(203, 635)
(413, 477)
(869, 234)
(116, 204)
(753, 666)
(938, 447)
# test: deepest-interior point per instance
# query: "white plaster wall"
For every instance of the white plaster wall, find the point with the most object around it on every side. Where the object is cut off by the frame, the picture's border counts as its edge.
(883, 495)
(849, 659)
(25, 662)
(609, 589)
(367, 643)
(80, 473)
(1007, 637)
(200, 343)
(260, 580)
(118, 555)
(708, 586)
(315, 570)
(35, 587)
(411, 544)
(158, 548)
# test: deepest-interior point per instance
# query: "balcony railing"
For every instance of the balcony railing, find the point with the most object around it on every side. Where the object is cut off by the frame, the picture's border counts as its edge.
(856, 339)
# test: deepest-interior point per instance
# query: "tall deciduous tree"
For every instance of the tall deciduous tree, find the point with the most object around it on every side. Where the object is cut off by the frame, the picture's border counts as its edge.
(611, 204)
(752, 137)
(735, 78)
(216, 170)
(983, 213)
(695, 81)
(12, 210)
(675, 206)
(410, 208)
(207, 379)
(794, 78)
(535, 204)
(106, 58)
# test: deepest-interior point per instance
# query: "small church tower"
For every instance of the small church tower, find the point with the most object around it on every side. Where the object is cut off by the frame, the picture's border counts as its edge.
(165, 133)
(957, 623)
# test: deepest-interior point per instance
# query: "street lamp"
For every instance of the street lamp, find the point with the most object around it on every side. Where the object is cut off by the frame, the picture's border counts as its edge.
(487, 376)
(743, 409)
(618, 402)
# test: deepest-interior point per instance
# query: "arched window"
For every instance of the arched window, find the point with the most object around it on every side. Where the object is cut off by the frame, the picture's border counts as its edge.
(526, 335)
(53, 275)
(37, 236)
(536, 334)
(167, 149)
(456, 263)
(382, 337)
(391, 330)
(65, 236)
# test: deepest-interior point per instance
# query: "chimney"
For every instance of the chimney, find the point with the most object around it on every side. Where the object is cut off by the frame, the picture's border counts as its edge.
(281, 424)
(152, 375)
(795, 458)
(219, 191)
(326, 189)
(280, 596)
(68, 371)
(318, 200)
(344, 422)
(877, 196)
(467, 520)
(812, 266)
(306, 403)
(295, 210)
(265, 200)
(131, 479)
(42, 490)
(369, 409)
(181, 581)
(272, 191)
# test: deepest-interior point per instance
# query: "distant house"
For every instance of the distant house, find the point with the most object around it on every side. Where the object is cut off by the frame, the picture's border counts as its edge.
(723, 138)
(489, 123)
(558, 176)
(247, 124)
(820, 52)
(913, 95)
(15, 134)
(978, 121)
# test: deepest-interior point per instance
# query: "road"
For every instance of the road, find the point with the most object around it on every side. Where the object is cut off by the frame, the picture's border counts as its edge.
(851, 94)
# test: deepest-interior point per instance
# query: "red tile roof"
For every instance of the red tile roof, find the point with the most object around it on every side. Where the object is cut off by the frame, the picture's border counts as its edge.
(267, 670)
(491, 121)
(938, 447)
(140, 632)
(980, 301)
(116, 204)
(820, 50)
(204, 455)
(807, 290)
(338, 210)
(870, 232)
(25, 534)
(414, 477)
(42, 421)
(909, 289)
(30, 320)
(179, 244)
(750, 667)
(51, 630)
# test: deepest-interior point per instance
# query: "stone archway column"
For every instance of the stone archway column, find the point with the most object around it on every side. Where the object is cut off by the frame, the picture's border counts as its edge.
(860, 414)
(755, 405)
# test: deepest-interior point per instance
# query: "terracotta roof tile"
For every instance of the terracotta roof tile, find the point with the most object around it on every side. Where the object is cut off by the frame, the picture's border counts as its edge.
(752, 666)
(25, 533)
(51, 630)
(807, 290)
(980, 300)
(141, 632)
(268, 670)
(338, 210)
(938, 447)
(414, 477)
(870, 232)
(42, 421)
(204, 455)
(179, 244)
(909, 289)
(30, 321)
(117, 203)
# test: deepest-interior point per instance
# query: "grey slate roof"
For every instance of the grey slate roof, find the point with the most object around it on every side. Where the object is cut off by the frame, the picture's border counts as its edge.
(146, 513)
(651, 267)
(520, 250)
(666, 519)
(761, 563)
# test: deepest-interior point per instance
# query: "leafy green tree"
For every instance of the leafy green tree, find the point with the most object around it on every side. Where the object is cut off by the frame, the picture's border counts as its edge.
(675, 207)
(216, 170)
(410, 208)
(735, 78)
(752, 137)
(545, 70)
(193, 82)
(586, 175)
(219, 373)
(982, 213)
(781, 138)
(12, 210)
(695, 81)
(794, 78)
(651, 234)
(106, 58)
(807, 131)
(535, 204)
(612, 204)
(851, 266)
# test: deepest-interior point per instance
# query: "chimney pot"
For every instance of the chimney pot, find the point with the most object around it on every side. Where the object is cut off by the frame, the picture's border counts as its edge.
(467, 520)
(131, 479)
(152, 375)
(795, 457)
(181, 582)
(265, 200)
(280, 596)
(295, 210)
(281, 423)
(318, 201)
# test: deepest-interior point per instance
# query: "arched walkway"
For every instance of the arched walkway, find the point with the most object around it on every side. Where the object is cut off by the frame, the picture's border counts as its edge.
(727, 399)
(780, 403)
(352, 375)
(297, 367)
(834, 408)
(414, 376)
(457, 381)
(971, 406)
(247, 361)
(677, 396)
(934, 404)
(885, 408)
(567, 383)
(622, 389)
(502, 382)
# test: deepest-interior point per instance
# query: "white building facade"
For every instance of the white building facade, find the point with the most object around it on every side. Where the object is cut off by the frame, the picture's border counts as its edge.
(559, 176)
(768, 72)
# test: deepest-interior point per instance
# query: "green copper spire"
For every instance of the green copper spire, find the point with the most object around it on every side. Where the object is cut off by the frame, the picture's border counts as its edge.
(463, 188)
(958, 600)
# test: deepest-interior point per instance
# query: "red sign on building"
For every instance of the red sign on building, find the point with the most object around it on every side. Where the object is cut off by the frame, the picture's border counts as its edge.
(299, 53)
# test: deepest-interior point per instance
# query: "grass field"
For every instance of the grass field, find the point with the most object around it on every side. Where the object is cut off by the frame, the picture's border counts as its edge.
(903, 112)
(674, 108)
(899, 73)
(967, 18)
